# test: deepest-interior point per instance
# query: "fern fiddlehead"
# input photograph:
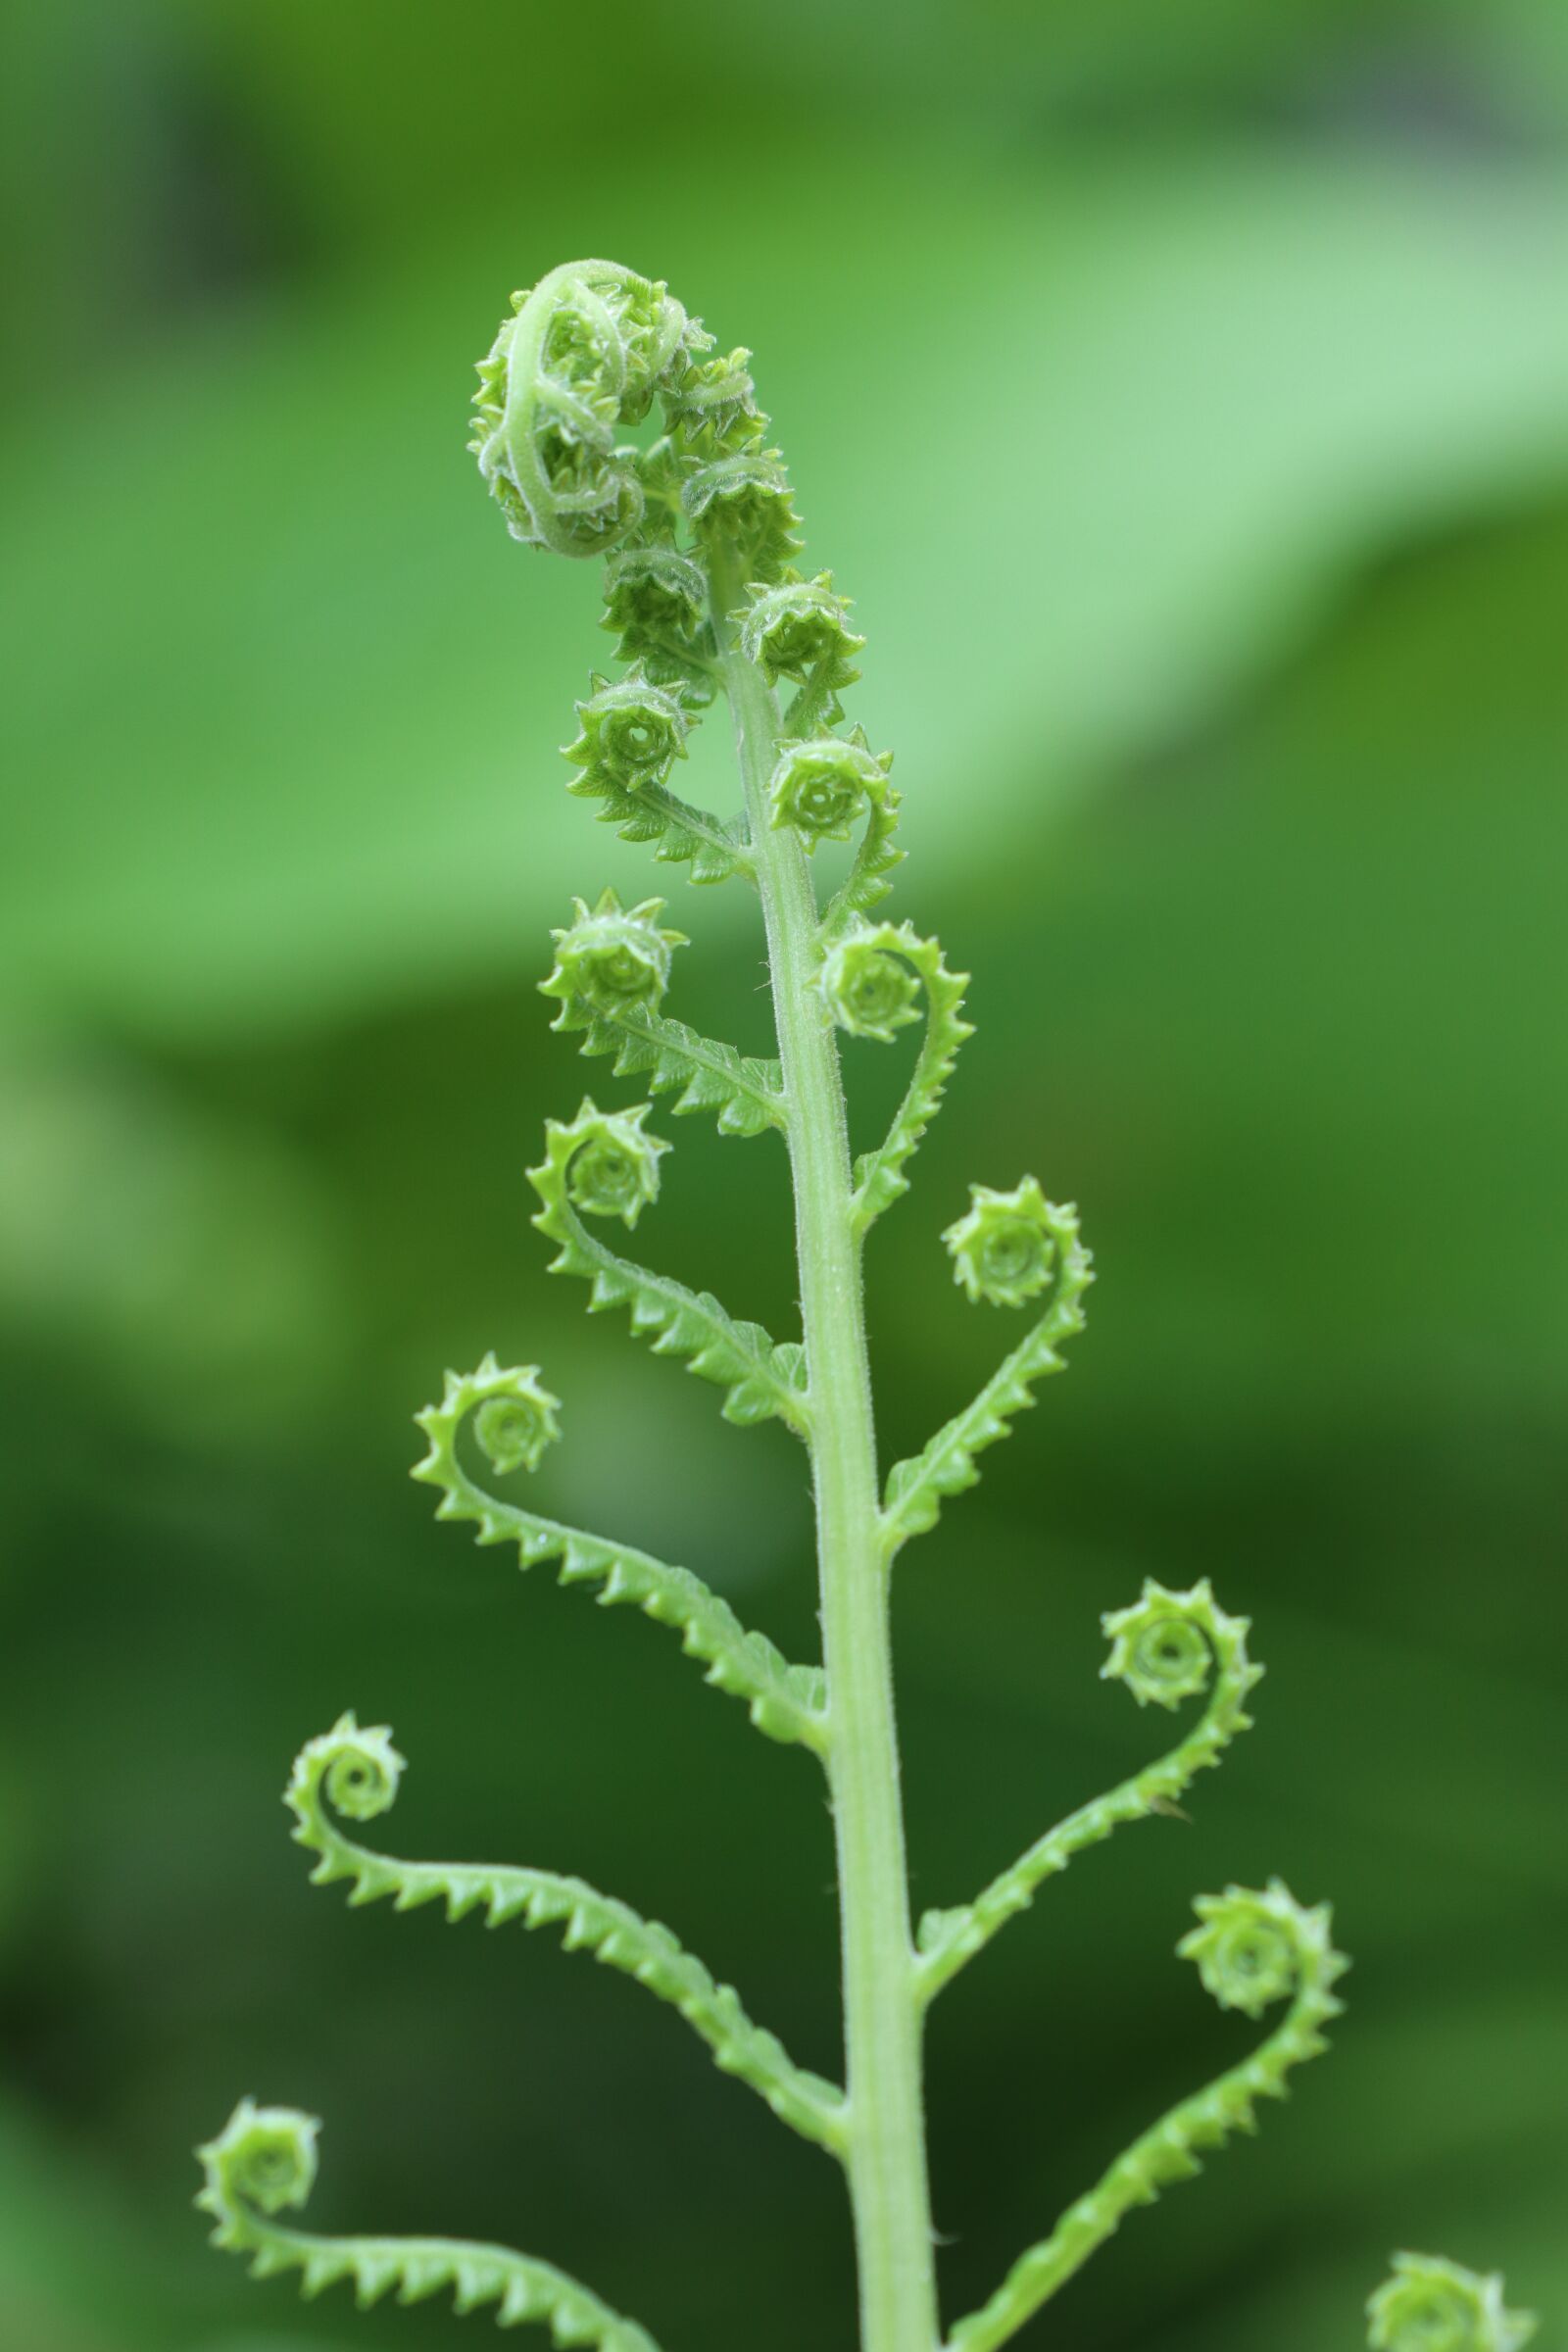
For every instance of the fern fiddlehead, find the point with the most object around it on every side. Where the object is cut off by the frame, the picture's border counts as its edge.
(760, 1377)
(612, 968)
(698, 529)
(1251, 1949)
(1007, 1254)
(357, 1773)
(1166, 1647)
(784, 1701)
(871, 978)
(263, 2164)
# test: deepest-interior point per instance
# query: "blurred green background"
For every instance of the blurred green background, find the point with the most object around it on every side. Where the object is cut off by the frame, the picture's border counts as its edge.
(1181, 389)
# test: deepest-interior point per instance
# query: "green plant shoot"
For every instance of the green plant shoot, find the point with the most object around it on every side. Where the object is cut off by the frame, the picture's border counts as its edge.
(699, 536)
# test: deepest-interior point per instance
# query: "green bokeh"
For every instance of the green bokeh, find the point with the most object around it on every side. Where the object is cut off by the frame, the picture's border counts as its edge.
(1182, 393)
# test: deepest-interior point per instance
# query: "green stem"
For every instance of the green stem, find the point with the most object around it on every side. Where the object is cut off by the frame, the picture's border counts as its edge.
(886, 2150)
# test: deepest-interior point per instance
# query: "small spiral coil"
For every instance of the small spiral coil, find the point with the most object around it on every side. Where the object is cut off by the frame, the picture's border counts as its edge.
(630, 733)
(820, 787)
(1165, 1644)
(867, 987)
(264, 2156)
(610, 958)
(613, 1169)
(1431, 2305)
(1254, 1947)
(797, 627)
(1005, 1249)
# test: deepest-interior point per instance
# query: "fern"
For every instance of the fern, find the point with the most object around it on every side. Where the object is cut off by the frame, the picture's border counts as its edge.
(699, 531)
(1164, 1649)
(359, 1772)
(1250, 1949)
(785, 1701)
(748, 1093)
(916, 1489)
(760, 1377)
(869, 981)
(262, 2162)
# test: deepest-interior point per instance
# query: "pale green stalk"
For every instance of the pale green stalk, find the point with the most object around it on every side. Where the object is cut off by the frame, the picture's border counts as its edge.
(882, 2023)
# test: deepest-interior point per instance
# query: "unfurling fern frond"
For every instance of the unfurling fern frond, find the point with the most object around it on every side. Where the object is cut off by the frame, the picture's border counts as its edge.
(696, 520)
(742, 510)
(760, 1378)
(263, 2164)
(1165, 1648)
(583, 353)
(357, 1771)
(630, 736)
(656, 605)
(610, 959)
(1251, 1949)
(799, 630)
(612, 968)
(1046, 1249)
(784, 1701)
(821, 787)
(871, 978)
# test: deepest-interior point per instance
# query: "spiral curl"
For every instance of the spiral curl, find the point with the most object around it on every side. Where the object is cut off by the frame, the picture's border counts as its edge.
(630, 734)
(356, 1764)
(713, 401)
(917, 1486)
(583, 353)
(1255, 1946)
(615, 1173)
(867, 987)
(1164, 1645)
(785, 1701)
(820, 787)
(515, 1419)
(264, 2156)
(760, 1376)
(1004, 1248)
(1252, 1947)
(656, 604)
(601, 1924)
(1431, 2305)
(741, 504)
(801, 627)
(264, 2163)
(1212, 1645)
(610, 958)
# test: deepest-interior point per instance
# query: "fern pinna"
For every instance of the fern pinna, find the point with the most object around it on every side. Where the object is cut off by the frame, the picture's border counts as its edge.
(698, 531)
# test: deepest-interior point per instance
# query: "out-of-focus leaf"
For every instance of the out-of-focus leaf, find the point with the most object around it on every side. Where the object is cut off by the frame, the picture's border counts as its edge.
(181, 1258)
(1084, 446)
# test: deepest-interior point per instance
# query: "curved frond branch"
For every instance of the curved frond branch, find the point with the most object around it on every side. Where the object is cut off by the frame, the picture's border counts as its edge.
(1251, 1949)
(681, 834)
(852, 967)
(1165, 1648)
(746, 1092)
(868, 882)
(784, 1701)
(800, 630)
(631, 733)
(917, 1487)
(762, 1378)
(357, 1771)
(264, 2164)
